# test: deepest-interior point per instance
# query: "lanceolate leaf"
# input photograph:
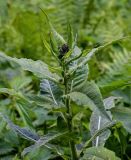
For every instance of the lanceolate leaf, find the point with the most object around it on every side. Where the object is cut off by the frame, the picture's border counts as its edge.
(39, 68)
(70, 36)
(96, 123)
(51, 90)
(43, 141)
(27, 134)
(55, 33)
(99, 153)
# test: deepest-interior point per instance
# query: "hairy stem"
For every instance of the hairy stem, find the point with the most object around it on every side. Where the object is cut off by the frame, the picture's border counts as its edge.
(69, 116)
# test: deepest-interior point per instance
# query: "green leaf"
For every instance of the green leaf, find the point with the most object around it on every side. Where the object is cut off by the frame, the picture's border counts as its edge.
(11, 92)
(82, 100)
(27, 134)
(43, 141)
(99, 153)
(70, 36)
(96, 123)
(40, 100)
(92, 52)
(37, 153)
(20, 103)
(46, 44)
(56, 35)
(49, 137)
(107, 88)
(39, 68)
(123, 115)
(24, 112)
(51, 90)
(91, 90)
(5, 148)
(19, 83)
(81, 74)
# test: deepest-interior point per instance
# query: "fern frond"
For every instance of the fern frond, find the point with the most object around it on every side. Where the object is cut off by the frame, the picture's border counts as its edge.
(118, 72)
(5, 148)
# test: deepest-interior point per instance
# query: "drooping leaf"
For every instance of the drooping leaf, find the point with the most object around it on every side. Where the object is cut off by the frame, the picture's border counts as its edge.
(99, 153)
(39, 68)
(43, 141)
(49, 137)
(25, 133)
(98, 132)
(96, 123)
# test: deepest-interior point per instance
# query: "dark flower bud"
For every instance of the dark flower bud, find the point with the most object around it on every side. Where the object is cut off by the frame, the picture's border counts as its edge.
(63, 50)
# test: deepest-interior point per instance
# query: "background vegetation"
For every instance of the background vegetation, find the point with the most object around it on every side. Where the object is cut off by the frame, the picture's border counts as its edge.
(23, 27)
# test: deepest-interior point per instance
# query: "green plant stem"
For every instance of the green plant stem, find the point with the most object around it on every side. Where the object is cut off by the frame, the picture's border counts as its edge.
(69, 117)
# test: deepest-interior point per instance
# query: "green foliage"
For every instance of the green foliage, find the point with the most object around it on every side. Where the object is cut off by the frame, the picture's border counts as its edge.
(99, 153)
(75, 104)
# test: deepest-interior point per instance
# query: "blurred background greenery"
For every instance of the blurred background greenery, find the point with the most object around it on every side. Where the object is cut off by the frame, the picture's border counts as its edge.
(22, 27)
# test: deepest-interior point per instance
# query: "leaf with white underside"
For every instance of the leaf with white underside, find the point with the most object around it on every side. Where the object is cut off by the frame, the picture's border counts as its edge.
(38, 68)
(96, 123)
(50, 90)
(25, 133)
(99, 153)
